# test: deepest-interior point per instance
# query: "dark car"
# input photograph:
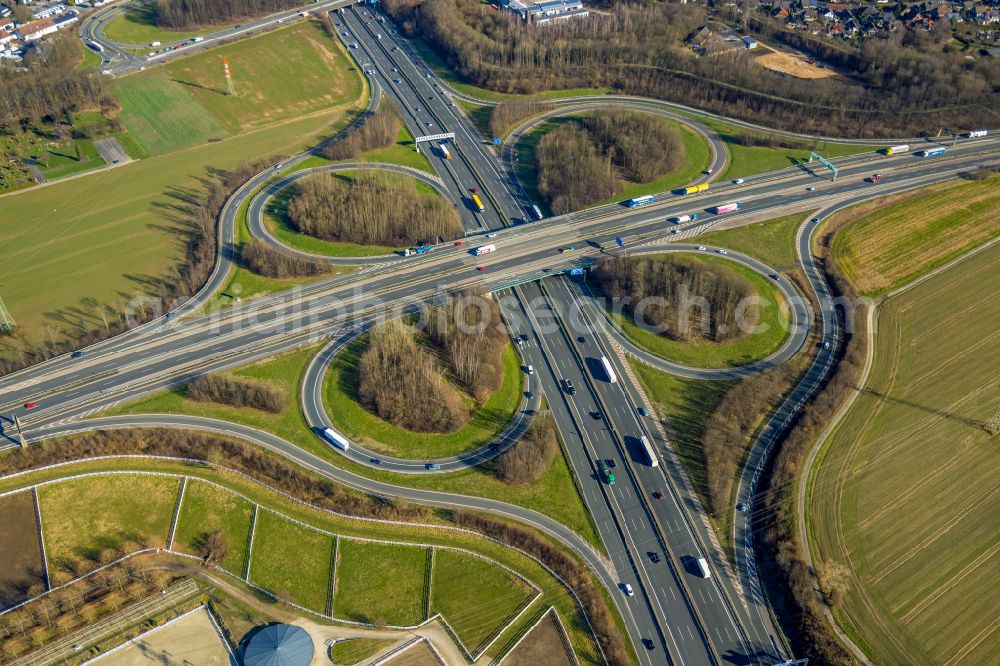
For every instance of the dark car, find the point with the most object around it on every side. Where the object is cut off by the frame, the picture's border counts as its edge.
(597, 416)
(742, 507)
(76, 354)
(375, 461)
(611, 463)
(643, 411)
(658, 495)
(648, 644)
(432, 466)
(654, 556)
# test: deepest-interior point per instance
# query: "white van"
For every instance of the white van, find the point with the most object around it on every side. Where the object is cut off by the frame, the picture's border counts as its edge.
(703, 568)
(531, 370)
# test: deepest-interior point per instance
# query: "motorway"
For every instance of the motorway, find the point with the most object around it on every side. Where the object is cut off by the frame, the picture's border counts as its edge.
(690, 620)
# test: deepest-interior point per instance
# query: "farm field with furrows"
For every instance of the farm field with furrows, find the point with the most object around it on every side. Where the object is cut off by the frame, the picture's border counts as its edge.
(903, 502)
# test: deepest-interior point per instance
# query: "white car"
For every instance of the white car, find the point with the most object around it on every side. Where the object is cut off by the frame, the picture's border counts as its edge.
(723, 251)
(702, 248)
(738, 181)
(629, 592)
(491, 235)
(811, 188)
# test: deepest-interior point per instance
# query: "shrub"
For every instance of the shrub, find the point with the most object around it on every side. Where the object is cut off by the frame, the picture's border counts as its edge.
(530, 456)
(379, 130)
(571, 173)
(506, 114)
(238, 392)
(471, 336)
(265, 260)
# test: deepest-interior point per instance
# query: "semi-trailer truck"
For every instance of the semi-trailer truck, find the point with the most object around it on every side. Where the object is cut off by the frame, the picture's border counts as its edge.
(478, 203)
(606, 473)
(336, 439)
(640, 201)
(648, 449)
(681, 219)
(692, 189)
(897, 150)
(485, 249)
(977, 134)
(609, 372)
(703, 568)
(423, 249)
(725, 208)
(931, 152)
(444, 151)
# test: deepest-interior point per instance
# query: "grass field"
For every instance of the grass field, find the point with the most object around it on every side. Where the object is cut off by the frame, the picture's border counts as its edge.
(137, 25)
(356, 650)
(283, 74)
(80, 246)
(749, 160)
(890, 241)
(292, 561)
(20, 549)
(286, 370)
(380, 583)
(161, 115)
(353, 420)
(474, 617)
(902, 501)
(707, 354)
(207, 509)
(85, 523)
(771, 241)
(403, 152)
(696, 150)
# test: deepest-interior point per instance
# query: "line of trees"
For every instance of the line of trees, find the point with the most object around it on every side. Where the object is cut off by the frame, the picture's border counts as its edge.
(40, 94)
(238, 392)
(403, 384)
(370, 209)
(188, 14)
(529, 458)
(471, 337)
(586, 161)
(379, 130)
(682, 297)
(270, 262)
(728, 431)
(639, 48)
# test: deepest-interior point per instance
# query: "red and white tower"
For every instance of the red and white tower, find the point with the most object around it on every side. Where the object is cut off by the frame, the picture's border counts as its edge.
(230, 90)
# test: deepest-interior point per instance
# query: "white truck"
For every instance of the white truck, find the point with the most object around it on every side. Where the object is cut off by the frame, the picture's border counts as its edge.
(336, 439)
(703, 568)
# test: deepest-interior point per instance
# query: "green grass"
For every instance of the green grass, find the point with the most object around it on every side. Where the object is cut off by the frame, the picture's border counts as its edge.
(475, 596)
(286, 370)
(902, 501)
(696, 150)
(162, 115)
(207, 508)
(684, 406)
(89, 60)
(889, 242)
(360, 425)
(65, 164)
(479, 114)
(348, 652)
(292, 561)
(137, 25)
(280, 75)
(771, 241)
(748, 160)
(86, 521)
(772, 333)
(75, 248)
(380, 583)
(553, 592)
(403, 153)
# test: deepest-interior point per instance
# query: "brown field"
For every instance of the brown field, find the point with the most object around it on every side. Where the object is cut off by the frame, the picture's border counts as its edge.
(546, 644)
(888, 242)
(793, 64)
(189, 640)
(20, 548)
(418, 655)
